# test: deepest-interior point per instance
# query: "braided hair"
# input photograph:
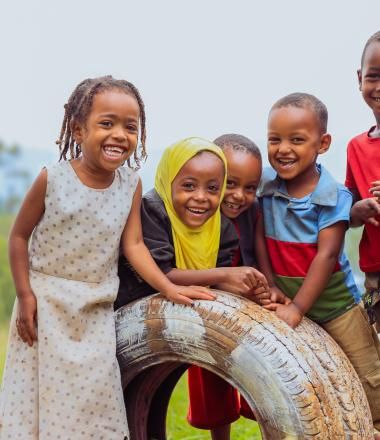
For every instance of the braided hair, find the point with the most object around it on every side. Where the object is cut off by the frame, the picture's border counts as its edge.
(79, 105)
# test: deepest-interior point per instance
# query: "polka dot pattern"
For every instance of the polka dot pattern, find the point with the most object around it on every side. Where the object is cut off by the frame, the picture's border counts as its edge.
(67, 386)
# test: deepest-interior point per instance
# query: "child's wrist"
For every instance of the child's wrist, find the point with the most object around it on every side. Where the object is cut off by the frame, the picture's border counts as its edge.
(24, 292)
(220, 275)
(297, 307)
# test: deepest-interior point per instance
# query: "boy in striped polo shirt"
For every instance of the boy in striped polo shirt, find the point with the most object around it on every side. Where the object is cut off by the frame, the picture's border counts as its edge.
(300, 236)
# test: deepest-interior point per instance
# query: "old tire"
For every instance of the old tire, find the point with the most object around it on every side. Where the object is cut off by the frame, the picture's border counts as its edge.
(297, 382)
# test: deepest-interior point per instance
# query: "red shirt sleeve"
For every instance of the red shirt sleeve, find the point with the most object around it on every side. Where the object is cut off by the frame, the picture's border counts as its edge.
(350, 179)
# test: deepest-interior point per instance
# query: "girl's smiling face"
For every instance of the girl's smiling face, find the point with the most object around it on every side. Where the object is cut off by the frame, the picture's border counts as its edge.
(197, 188)
(109, 136)
(243, 178)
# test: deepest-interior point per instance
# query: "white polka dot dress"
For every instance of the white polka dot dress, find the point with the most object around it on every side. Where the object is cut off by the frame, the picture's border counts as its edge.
(67, 386)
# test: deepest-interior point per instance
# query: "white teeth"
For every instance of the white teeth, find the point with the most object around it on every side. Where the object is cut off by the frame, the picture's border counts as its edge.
(377, 99)
(114, 150)
(197, 211)
(286, 162)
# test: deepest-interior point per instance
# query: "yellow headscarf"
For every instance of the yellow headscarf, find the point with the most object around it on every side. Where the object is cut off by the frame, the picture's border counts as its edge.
(195, 248)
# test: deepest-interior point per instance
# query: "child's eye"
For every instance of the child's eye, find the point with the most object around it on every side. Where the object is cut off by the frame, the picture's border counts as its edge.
(373, 76)
(297, 140)
(106, 123)
(273, 140)
(132, 128)
(188, 186)
(230, 183)
(251, 188)
(213, 188)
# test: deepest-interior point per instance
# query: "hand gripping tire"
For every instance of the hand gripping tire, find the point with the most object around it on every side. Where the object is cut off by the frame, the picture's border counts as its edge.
(298, 383)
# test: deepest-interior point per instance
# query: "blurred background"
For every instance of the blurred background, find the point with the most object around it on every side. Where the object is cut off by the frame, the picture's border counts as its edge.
(203, 68)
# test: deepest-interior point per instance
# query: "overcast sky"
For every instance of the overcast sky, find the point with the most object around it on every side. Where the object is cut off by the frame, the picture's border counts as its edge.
(203, 67)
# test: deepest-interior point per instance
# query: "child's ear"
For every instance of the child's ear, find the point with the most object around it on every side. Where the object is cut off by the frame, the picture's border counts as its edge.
(359, 73)
(325, 143)
(77, 131)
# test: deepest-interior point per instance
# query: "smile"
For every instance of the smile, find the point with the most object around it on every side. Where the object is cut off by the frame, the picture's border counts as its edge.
(197, 211)
(376, 99)
(286, 163)
(233, 206)
(114, 151)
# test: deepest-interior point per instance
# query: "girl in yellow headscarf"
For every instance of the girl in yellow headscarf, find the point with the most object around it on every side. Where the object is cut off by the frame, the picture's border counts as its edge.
(190, 180)
(182, 226)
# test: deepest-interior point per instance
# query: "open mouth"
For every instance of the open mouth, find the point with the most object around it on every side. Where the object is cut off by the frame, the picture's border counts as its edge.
(376, 99)
(197, 211)
(232, 206)
(286, 163)
(114, 151)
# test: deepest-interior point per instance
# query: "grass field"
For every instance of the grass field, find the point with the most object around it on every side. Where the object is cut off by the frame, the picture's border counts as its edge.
(179, 429)
(3, 345)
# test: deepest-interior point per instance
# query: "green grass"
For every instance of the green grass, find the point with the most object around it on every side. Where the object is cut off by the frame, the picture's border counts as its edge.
(6, 221)
(179, 429)
(3, 345)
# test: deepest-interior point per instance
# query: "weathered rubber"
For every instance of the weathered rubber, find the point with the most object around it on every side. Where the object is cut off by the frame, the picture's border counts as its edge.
(298, 382)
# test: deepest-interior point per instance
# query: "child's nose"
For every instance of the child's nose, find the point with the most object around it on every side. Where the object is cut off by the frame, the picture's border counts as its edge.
(238, 194)
(119, 133)
(284, 147)
(200, 195)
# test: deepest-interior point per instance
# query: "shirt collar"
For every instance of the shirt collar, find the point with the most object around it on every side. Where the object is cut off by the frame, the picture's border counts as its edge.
(325, 193)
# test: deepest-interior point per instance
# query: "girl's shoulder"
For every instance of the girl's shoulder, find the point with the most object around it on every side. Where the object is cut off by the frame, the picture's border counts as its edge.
(128, 175)
(58, 173)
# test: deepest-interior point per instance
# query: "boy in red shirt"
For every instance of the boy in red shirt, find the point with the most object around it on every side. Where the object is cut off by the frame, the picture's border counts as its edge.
(363, 179)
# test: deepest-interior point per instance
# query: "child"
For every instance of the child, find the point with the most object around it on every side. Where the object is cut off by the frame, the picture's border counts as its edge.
(305, 216)
(182, 226)
(214, 403)
(61, 378)
(363, 178)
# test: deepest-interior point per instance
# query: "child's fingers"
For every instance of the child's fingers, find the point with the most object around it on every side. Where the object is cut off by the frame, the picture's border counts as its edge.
(263, 295)
(26, 330)
(186, 294)
(263, 302)
(260, 279)
(259, 290)
(272, 307)
(375, 184)
(198, 292)
(373, 221)
(182, 299)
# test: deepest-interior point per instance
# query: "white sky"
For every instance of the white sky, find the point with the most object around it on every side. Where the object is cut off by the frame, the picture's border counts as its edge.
(203, 67)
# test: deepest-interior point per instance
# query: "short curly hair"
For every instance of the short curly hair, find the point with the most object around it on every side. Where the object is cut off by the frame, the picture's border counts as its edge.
(373, 38)
(305, 100)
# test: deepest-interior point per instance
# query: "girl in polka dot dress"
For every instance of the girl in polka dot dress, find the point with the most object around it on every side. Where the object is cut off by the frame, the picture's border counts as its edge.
(61, 379)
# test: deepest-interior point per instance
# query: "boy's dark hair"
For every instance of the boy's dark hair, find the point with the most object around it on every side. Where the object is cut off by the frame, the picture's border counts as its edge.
(78, 108)
(305, 100)
(371, 39)
(238, 142)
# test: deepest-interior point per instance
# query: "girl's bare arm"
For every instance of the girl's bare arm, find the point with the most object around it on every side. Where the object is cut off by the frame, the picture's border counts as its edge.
(29, 215)
(140, 258)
